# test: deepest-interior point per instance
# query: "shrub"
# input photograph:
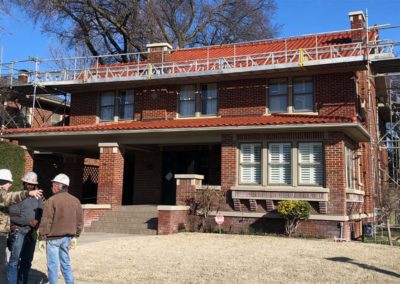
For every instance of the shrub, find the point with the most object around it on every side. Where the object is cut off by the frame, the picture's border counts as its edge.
(12, 158)
(293, 212)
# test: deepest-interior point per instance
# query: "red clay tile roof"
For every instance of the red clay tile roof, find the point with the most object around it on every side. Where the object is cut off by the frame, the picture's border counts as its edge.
(275, 119)
(259, 47)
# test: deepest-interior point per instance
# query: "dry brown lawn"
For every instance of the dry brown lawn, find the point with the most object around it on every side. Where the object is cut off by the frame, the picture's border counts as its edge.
(213, 258)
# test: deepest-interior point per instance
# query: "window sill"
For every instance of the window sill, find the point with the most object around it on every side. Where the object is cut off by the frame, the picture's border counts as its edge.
(355, 191)
(292, 112)
(281, 188)
(197, 117)
(280, 193)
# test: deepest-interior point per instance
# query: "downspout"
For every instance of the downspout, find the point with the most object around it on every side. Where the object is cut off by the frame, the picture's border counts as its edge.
(370, 117)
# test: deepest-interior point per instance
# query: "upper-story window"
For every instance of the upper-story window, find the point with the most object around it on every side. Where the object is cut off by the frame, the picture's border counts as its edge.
(116, 105)
(187, 101)
(209, 99)
(278, 95)
(126, 100)
(298, 98)
(198, 100)
(303, 94)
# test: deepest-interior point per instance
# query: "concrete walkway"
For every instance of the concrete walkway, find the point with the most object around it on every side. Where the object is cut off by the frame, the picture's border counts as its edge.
(38, 277)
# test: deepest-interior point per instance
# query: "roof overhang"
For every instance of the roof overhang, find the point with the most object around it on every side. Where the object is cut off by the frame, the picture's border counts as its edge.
(175, 136)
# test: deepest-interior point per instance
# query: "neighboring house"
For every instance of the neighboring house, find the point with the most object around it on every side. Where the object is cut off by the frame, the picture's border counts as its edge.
(263, 121)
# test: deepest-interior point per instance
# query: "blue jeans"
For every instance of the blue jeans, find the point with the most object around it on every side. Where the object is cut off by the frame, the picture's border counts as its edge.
(22, 248)
(57, 251)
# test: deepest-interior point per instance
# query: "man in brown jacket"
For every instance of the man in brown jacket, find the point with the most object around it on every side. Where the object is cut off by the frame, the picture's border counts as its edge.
(62, 220)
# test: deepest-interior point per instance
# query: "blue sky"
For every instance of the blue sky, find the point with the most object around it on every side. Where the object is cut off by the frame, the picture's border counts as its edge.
(20, 39)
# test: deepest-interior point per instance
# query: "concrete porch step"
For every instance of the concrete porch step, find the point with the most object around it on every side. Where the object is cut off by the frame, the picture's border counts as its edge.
(133, 219)
(123, 231)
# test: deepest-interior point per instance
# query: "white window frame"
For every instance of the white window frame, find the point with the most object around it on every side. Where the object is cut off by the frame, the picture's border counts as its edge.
(315, 163)
(282, 164)
(253, 163)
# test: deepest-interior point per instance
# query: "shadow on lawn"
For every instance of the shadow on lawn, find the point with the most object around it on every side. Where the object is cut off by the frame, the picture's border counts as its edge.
(365, 266)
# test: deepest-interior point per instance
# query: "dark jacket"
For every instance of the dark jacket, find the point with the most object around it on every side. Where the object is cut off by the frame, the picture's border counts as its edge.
(25, 211)
(62, 216)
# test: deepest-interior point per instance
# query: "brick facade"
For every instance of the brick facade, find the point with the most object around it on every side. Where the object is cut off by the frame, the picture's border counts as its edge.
(83, 108)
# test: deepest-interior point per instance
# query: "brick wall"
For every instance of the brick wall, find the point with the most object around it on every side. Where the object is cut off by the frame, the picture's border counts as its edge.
(41, 117)
(147, 177)
(335, 94)
(335, 173)
(83, 108)
(28, 156)
(111, 172)
(169, 221)
(242, 97)
(90, 215)
(156, 103)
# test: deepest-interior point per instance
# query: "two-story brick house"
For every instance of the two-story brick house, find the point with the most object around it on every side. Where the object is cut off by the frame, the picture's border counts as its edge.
(263, 121)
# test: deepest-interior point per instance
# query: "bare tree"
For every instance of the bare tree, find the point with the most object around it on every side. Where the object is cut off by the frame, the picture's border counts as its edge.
(126, 26)
(390, 203)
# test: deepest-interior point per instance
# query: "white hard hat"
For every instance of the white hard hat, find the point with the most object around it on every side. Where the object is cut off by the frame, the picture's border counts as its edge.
(30, 177)
(6, 175)
(61, 178)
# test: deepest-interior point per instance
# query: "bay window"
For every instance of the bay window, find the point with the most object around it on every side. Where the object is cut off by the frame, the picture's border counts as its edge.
(294, 164)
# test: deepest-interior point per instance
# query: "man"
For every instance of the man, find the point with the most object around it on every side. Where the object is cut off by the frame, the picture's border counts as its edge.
(62, 220)
(25, 217)
(7, 199)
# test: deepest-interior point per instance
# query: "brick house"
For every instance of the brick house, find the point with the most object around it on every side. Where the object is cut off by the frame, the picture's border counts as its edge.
(263, 121)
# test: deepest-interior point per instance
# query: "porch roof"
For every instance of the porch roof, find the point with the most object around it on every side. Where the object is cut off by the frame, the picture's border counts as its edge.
(274, 119)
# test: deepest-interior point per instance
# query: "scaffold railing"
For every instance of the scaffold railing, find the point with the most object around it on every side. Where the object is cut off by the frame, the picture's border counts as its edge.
(106, 67)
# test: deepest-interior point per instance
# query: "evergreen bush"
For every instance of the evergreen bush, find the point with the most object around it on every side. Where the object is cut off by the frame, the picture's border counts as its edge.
(12, 158)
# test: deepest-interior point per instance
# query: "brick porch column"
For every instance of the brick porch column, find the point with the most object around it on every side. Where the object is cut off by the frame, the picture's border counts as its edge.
(111, 174)
(186, 186)
(28, 156)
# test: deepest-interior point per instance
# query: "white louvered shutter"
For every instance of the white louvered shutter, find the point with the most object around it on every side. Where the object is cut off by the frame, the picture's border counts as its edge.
(310, 164)
(279, 159)
(250, 163)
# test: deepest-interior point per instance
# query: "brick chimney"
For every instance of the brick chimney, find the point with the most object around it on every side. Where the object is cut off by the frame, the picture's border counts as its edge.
(23, 76)
(158, 52)
(357, 23)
